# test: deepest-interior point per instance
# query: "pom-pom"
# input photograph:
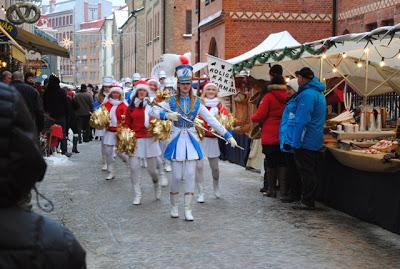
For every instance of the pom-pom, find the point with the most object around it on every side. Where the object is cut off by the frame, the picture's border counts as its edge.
(184, 59)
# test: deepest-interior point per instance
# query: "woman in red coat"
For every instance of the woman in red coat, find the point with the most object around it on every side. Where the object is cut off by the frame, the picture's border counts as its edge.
(116, 107)
(269, 114)
(147, 148)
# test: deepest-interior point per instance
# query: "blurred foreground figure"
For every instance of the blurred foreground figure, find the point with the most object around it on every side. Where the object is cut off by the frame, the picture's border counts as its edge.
(27, 240)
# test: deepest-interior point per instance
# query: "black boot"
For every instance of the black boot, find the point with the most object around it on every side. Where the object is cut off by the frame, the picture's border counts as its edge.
(272, 176)
(264, 189)
(75, 144)
(283, 182)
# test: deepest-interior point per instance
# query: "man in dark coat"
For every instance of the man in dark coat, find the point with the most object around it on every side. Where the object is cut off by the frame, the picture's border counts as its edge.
(84, 100)
(32, 99)
(27, 240)
(55, 104)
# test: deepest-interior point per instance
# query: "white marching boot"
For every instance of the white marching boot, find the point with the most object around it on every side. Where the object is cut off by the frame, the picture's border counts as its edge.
(216, 189)
(157, 190)
(110, 172)
(173, 197)
(167, 166)
(138, 194)
(200, 196)
(104, 168)
(163, 179)
(188, 207)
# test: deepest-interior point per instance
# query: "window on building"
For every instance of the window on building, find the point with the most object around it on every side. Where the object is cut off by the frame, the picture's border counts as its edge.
(371, 26)
(207, 2)
(213, 48)
(70, 19)
(188, 21)
(389, 22)
(63, 21)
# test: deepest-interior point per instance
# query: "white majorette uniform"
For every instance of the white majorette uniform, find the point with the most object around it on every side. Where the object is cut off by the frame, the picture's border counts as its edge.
(184, 148)
(138, 120)
(106, 83)
(210, 147)
(116, 108)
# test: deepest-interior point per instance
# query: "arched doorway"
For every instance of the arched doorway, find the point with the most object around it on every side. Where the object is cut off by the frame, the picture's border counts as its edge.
(213, 49)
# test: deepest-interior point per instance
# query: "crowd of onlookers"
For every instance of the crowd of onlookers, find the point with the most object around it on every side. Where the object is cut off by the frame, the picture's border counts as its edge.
(49, 104)
(292, 117)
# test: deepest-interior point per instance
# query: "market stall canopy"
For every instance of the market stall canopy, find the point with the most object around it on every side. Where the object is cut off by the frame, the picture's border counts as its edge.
(343, 56)
(36, 43)
(199, 66)
(276, 41)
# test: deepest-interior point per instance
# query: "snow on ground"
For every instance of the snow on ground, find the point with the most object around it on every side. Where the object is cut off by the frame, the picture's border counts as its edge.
(58, 159)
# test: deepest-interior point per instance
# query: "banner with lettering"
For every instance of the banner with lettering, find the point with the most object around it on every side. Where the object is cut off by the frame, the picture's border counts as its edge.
(221, 73)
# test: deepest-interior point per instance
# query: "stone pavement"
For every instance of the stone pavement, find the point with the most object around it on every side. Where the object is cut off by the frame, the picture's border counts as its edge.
(241, 230)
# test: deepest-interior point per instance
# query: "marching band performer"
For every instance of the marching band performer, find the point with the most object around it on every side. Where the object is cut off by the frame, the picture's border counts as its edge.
(184, 148)
(138, 120)
(162, 76)
(209, 144)
(116, 106)
(107, 82)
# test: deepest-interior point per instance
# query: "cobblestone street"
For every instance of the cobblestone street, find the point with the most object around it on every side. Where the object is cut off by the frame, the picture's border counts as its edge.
(241, 230)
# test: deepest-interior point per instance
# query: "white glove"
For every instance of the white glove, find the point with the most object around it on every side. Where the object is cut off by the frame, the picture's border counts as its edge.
(233, 142)
(174, 116)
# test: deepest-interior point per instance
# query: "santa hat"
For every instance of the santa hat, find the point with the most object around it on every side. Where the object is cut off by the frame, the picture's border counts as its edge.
(116, 88)
(210, 85)
(153, 80)
(142, 85)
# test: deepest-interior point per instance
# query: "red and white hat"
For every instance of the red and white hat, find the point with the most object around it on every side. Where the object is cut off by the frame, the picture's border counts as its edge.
(210, 85)
(116, 88)
(142, 85)
(153, 80)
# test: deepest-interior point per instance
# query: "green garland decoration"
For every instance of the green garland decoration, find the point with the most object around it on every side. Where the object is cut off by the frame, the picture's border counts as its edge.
(277, 56)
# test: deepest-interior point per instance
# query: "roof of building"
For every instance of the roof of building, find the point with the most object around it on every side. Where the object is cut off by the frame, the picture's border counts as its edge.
(92, 24)
(62, 6)
(121, 16)
(88, 30)
(210, 18)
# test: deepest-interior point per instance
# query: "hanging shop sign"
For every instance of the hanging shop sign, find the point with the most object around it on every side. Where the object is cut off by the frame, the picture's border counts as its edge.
(23, 13)
(221, 73)
(9, 28)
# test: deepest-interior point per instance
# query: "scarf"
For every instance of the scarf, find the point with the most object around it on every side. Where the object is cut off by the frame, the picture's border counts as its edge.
(212, 103)
(113, 112)
(138, 102)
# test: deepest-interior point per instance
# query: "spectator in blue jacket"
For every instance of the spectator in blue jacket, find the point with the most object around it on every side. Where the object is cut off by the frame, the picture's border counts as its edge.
(304, 120)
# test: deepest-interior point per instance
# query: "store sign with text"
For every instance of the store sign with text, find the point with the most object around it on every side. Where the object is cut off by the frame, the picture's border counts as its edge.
(9, 28)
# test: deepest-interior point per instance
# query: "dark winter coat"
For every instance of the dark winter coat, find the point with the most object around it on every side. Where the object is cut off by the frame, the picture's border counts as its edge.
(85, 103)
(269, 113)
(55, 99)
(27, 240)
(33, 102)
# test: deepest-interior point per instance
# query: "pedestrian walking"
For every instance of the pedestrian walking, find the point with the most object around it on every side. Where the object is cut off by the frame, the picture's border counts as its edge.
(30, 79)
(209, 144)
(84, 101)
(28, 240)
(32, 99)
(72, 121)
(184, 148)
(55, 104)
(138, 120)
(116, 106)
(6, 77)
(304, 133)
(269, 114)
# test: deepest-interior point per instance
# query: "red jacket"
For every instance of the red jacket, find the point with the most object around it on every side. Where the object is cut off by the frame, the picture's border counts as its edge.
(121, 109)
(222, 110)
(135, 121)
(269, 113)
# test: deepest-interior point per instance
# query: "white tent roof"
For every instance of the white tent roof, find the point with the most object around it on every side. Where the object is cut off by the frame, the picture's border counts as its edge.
(379, 43)
(274, 41)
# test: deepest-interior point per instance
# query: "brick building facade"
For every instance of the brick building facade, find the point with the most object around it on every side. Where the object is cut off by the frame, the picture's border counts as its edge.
(228, 28)
(365, 15)
(168, 29)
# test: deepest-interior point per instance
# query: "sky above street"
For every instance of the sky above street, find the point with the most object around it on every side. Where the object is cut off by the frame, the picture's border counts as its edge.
(115, 2)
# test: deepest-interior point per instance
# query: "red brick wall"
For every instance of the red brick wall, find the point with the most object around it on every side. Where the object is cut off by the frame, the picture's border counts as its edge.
(244, 33)
(355, 15)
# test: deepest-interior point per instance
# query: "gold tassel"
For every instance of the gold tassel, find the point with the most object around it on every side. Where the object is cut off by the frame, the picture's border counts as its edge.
(100, 119)
(200, 132)
(126, 139)
(160, 129)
